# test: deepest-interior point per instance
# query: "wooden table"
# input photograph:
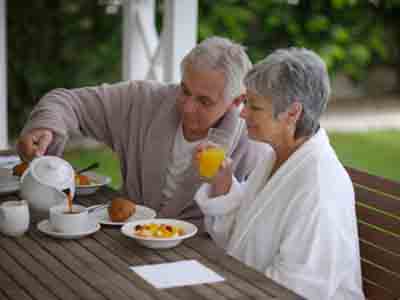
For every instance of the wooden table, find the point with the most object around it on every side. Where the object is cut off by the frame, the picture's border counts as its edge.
(36, 266)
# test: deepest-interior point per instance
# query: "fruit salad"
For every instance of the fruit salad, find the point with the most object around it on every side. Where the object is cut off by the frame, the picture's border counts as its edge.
(158, 230)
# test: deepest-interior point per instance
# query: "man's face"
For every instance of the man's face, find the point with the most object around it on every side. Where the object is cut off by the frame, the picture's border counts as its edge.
(201, 101)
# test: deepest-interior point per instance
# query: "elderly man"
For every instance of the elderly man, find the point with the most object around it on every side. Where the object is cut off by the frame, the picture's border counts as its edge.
(294, 219)
(154, 127)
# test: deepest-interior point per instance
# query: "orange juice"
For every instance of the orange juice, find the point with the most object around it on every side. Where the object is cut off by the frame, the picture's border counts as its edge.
(210, 161)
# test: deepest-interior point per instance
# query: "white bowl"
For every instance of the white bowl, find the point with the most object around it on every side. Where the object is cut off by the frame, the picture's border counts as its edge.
(96, 181)
(159, 243)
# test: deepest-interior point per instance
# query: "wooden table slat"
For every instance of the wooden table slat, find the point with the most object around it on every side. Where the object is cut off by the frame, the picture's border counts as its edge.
(3, 296)
(23, 278)
(58, 269)
(48, 279)
(82, 269)
(118, 265)
(94, 263)
(10, 290)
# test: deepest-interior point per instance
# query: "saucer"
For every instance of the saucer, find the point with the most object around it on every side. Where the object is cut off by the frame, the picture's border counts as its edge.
(45, 227)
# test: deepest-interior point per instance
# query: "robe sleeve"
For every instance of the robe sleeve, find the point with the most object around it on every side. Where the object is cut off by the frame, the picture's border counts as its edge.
(220, 212)
(97, 112)
(307, 259)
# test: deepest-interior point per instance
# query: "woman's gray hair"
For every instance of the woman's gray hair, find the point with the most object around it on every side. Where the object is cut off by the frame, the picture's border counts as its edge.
(293, 75)
(220, 54)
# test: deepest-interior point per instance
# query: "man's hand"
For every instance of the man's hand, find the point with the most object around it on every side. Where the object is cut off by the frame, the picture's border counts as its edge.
(34, 143)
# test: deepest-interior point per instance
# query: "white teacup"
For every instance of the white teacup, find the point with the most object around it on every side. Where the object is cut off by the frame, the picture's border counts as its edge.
(61, 220)
(14, 217)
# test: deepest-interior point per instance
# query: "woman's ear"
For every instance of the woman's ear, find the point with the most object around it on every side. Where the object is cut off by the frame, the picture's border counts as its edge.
(239, 100)
(294, 112)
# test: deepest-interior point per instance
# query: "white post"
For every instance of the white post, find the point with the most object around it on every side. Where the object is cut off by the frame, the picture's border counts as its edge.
(140, 38)
(3, 78)
(180, 25)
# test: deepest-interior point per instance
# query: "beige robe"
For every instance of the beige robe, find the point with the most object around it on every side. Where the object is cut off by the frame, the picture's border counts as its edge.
(139, 121)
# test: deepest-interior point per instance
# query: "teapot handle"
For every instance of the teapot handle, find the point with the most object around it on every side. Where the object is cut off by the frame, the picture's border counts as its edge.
(24, 175)
(60, 196)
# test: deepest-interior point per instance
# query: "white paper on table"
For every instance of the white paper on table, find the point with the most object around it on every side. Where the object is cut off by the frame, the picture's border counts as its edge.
(180, 273)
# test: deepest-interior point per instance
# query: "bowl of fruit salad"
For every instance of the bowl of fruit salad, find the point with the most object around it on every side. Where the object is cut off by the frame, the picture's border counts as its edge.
(159, 233)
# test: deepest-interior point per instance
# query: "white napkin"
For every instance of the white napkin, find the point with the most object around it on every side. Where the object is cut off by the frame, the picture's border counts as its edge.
(180, 273)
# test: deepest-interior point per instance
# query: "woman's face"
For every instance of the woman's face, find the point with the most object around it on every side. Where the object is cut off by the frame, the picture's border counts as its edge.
(261, 123)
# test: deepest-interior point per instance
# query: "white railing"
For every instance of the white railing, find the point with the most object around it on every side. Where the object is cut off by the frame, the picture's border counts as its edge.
(145, 54)
(3, 78)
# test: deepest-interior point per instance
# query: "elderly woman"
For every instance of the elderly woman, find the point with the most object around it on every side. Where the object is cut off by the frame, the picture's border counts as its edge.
(294, 218)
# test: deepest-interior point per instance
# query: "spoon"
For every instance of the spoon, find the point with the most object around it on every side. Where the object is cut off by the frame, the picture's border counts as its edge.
(88, 168)
(98, 207)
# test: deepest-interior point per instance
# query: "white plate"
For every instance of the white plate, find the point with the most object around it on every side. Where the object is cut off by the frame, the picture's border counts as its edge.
(8, 183)
(96, 181)
(45, 227)
(160, 243)
(9, 161)
(141, 213)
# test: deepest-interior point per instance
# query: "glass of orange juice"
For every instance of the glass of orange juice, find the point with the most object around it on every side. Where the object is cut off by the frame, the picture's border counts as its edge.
(211, 158)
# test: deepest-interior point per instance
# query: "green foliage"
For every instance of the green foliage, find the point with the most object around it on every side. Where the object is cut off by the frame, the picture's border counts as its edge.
(349, 34)
(56, 43)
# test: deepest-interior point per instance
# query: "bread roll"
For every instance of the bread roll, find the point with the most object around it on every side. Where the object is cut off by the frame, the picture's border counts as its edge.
(121, 209)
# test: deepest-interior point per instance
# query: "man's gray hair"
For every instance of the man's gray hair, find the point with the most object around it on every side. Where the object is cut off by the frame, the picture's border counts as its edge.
(293, 75)
(220, 54)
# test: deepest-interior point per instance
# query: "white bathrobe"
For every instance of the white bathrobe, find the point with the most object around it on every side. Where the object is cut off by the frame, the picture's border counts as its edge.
(298, 227)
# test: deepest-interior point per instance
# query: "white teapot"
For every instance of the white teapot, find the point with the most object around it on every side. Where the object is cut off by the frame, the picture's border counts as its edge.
(44, 183)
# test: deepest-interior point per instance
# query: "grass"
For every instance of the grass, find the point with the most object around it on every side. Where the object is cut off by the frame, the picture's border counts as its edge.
(109, 164)
(377, 152)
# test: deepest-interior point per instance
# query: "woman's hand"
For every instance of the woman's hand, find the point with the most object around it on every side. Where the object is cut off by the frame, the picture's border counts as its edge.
(221, 181)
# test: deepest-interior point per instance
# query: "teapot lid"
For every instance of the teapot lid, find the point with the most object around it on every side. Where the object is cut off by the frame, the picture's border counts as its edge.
(52, 171)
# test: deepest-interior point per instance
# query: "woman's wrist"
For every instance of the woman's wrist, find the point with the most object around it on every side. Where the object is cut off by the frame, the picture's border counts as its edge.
(217, 190)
